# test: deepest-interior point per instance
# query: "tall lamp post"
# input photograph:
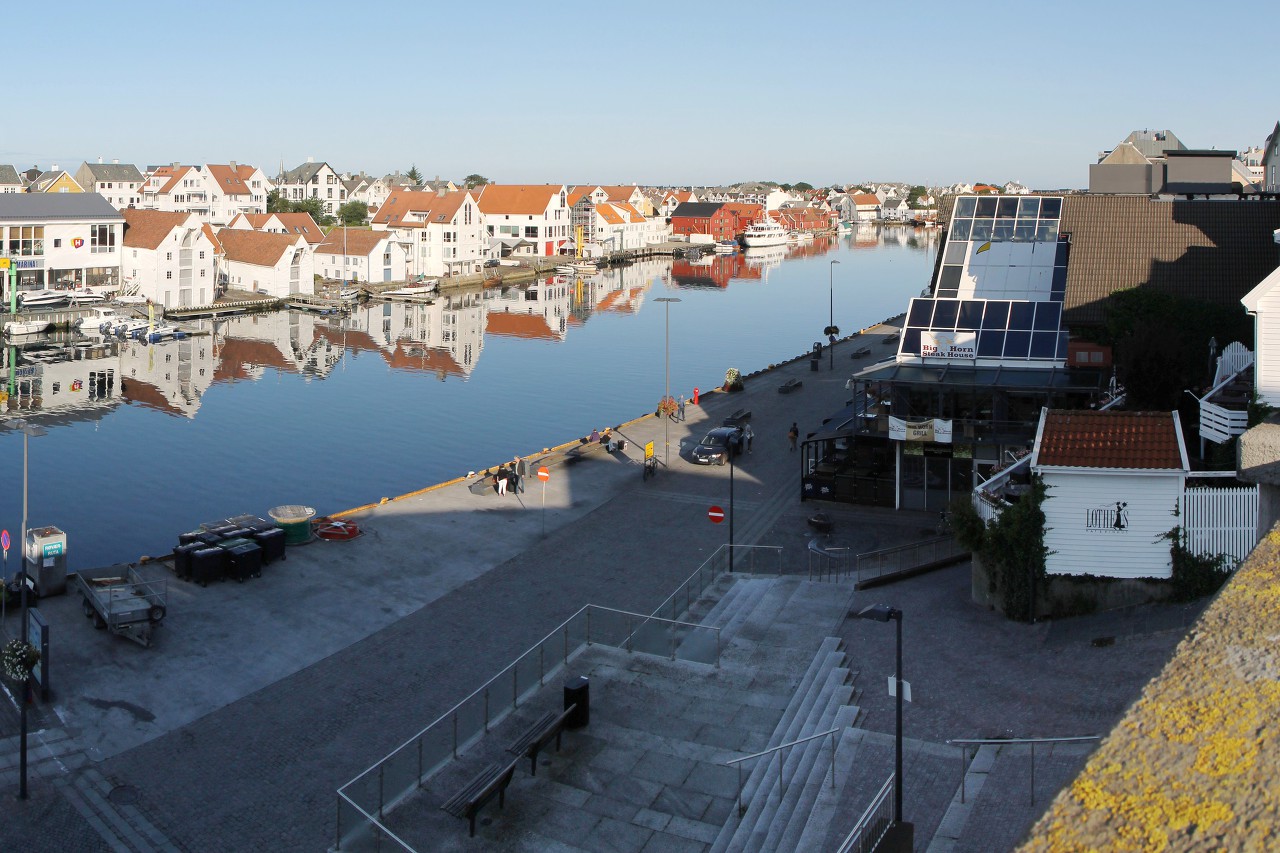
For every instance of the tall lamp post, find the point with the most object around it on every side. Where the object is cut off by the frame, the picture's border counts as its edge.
(28, 430)
(666, 395)
(831, 312)
(883, 613)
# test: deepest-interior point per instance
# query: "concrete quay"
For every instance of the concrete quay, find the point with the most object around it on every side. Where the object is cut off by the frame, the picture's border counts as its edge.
(258, 700)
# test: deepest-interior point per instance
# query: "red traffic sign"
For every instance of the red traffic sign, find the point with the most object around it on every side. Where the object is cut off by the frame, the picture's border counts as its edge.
(544, 474)
(716, 514)
(4, 539)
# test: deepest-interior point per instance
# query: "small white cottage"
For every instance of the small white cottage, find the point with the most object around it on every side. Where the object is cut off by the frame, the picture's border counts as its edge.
(1114, 480)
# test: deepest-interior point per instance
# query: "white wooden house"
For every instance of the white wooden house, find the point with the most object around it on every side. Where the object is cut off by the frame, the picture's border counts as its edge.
(275, 264)
(361, 255)
(1113, 480)
(1263, 302)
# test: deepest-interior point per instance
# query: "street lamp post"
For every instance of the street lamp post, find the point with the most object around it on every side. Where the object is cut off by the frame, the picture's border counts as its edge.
(666, 395)
(28, 430)
(883, 613)
(831, 312)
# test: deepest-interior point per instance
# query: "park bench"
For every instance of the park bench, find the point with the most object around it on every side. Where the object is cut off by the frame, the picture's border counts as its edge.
(550, 725)
(583, 450)
(738, 418)
(890, 339)
(860, 352)
(490, 782)
(789, 386)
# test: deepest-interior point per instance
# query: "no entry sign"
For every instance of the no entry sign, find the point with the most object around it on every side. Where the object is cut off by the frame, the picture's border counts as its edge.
(544, 474)
(716, 514)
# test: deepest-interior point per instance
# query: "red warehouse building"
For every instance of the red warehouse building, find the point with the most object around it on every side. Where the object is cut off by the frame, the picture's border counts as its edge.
(703, 217)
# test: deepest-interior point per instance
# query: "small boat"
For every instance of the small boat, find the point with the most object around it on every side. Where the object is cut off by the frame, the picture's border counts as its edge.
(84, 297)
(132, 299)
(726, 247)
(350, 294)
(588, 267)
(413, 291)
(96, 319)
(42, 298)
(130, 328)
(16, 328)
(565, 269)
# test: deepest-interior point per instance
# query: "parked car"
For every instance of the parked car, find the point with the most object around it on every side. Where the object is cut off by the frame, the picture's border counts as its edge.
(492, 262)
(717, 445)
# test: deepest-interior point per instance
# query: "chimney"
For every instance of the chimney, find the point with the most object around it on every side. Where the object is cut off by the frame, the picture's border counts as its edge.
(99, 159)
(53, 167)
(175, 164)
(311, 159)
(233, 165)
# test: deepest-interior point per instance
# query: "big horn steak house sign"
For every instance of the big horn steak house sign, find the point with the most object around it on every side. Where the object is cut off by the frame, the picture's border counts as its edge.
(948, 345)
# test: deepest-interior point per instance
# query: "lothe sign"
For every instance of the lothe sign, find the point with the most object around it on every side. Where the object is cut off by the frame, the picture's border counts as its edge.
(933, 429)
(1108, 518)
(948, 345)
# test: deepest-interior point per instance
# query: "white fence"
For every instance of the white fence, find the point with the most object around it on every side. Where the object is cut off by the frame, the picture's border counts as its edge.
(1221, 521)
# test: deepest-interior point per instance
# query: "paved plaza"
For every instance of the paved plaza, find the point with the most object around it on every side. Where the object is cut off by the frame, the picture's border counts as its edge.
(257, 701)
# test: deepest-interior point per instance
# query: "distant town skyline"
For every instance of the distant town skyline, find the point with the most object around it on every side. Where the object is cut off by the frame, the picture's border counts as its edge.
(662, 93)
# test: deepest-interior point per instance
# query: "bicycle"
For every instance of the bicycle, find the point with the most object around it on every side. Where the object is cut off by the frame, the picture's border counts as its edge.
(650, 467)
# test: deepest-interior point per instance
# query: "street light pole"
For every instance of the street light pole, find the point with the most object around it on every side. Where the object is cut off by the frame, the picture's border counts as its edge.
(884, 613)
(666, 395)
(831, 312)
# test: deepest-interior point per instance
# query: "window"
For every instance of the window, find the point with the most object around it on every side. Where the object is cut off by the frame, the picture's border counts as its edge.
(57, 242)
(168, 273)
(531, 231)
(26, 240)
(202, 273)
(202, 254)
(168, 256)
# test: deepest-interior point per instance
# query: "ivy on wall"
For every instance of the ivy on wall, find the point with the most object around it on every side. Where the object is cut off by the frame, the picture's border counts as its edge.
(1011, 548)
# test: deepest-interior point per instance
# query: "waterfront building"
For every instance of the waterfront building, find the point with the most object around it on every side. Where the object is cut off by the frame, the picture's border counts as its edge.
(866, 207)
(170, 258)
(981, 355)
(214, 192)
(119, 183)
(528, 219)
(710, 221)
(611, 225)
(61, 240)
(444, 231)
(358, 254)
(280, 223)
(313, 180)
(10, 180)
(671, 199)
(273, 264)
(1271, 162)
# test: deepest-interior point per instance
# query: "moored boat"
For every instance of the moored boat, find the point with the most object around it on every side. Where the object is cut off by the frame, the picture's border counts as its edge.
(726, 247)
(767, 232)
(84, 297)
(163, 332)
(42, 298)
(15, 328)
(96, 319)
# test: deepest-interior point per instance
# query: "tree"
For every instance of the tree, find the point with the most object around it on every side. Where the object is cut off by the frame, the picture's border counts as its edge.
(802, 187)
(915, 194)
(473, 181)
(276, 203)
(353, 212)
(414, 176)
(313, 206)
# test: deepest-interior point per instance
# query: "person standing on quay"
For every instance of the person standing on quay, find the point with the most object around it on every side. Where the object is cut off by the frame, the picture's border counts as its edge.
(522, 471)
(680, 408)
(793, 434)
(747, 435)
(500, 478)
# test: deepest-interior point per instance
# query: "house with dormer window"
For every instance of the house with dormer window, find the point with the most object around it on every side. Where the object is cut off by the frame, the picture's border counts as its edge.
(443, 232)
(214, 192)
(119, 183)
(313, 180)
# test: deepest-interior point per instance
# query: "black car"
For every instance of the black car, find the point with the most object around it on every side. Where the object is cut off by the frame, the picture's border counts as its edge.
(715, 447)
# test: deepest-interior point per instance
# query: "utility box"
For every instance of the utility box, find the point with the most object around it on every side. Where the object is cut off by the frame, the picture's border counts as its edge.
(45, 559)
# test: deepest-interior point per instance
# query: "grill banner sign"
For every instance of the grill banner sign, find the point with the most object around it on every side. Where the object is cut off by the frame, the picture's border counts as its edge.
(948, 345)
(933, 429)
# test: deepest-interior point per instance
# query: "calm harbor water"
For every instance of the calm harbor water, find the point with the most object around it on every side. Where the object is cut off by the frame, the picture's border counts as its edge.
(339, 412)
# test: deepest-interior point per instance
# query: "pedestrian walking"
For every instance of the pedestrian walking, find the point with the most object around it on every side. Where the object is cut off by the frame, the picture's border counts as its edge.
(747, 435)
(522, 472)
(500, 480)
(680, 408)
(793, 434)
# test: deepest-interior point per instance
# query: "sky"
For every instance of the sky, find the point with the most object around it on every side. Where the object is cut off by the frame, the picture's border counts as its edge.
(648, 92)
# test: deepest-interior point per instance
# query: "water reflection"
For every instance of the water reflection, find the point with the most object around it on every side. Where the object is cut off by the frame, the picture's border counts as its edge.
(252, 411)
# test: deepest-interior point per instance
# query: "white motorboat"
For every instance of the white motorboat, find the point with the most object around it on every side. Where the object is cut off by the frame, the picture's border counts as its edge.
(565, 269)
(805, 236)
(726, 247)
(96, 319)
(84, 297)
(15, 328)
(42, 298)
(417, 290)
(131, 328)
(766, 232)
(162, 332)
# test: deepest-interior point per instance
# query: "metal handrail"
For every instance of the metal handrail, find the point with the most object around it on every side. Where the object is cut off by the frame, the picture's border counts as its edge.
(854, 840)
(483, 690)
(965, 743)
(952, 549)
(782, 786)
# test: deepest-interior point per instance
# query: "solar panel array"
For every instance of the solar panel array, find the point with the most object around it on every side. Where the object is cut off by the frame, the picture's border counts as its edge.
(1005, 247)
(985, 328)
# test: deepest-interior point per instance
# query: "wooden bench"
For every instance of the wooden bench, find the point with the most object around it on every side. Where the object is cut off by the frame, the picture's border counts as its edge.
(490, 782)
(738, 418)
(583, 450)
(890, 339)
(789, 386)
(550, 725)
(860, 352)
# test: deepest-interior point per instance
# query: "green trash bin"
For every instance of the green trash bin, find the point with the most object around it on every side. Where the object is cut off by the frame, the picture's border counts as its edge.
(295, 520)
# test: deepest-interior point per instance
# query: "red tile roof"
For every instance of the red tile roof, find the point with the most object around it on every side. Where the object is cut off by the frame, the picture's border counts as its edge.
(301, 223)
(255, 247)
(1089, 439)
(357, 242)
(533, 199)
(147, 229)
(408, 209)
